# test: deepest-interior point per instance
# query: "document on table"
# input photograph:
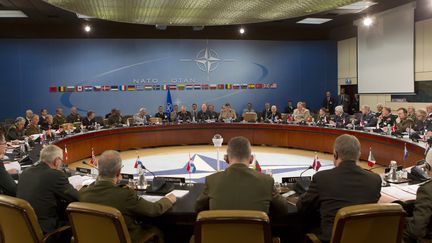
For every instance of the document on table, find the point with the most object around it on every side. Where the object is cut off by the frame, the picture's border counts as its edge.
(153, 198)
(78, 181)
(12, 165)
(398, 193)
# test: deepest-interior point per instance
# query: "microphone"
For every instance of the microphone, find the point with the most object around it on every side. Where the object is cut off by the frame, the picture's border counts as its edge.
(90, 165)
(310, 167)
(302, 184)
(144, 168)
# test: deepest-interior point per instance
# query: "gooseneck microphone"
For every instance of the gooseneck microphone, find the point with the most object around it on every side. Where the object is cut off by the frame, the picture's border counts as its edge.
(90, 165)
(308, 168)
(145, 168)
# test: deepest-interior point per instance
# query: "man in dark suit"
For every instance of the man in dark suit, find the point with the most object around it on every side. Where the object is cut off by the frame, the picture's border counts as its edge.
(89, 121)
(274, 116)
(386, 118)
(340, 118)
(203, 114)
(7, 184)
(240, 187)
(329, 102)
(184, 115)
(345, 185)
(367, 117)
(105, 191)
(42, 117)
(47, 189)
(344, 100)
(161, 114)
(213, 115)
(28, 116)
(289, 109)
(266, 111)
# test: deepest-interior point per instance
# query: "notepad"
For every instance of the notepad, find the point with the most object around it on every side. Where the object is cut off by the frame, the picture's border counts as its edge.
(179, 193)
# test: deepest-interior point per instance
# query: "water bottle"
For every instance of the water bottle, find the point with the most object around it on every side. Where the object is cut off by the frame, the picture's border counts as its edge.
(142, 183)
(393, 170)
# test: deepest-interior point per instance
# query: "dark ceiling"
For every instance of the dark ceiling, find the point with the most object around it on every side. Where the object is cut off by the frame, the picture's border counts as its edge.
(46, 21)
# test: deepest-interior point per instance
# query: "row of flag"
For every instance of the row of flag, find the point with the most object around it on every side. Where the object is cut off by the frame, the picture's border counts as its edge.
(372, 160)
(150, 87)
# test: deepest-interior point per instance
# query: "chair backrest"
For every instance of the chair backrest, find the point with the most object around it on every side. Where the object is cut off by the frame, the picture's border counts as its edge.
(381, 223)
(154, 120)
(94, 223)
(250, 116)
(231, 226)
(18, 221)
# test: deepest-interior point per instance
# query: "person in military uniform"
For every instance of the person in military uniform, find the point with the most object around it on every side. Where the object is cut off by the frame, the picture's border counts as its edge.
(105, 191)
(322, 118)
(421, 123)
(212, 113)
(386, 118)
(274, 116)
(412, 112)
(203, 114)
(367, 117)
(419, 227)
(379, 109)
(28, 117)
(89, 121)
(194, 112)
(59, 118)
(173, 115)
(227, 113)
(16, 131)
(161, 114)
(141, 118)
(73, 116)
(184, 115)
(251, 189)
(301, 114)
(33, 127)
(48, 123)
(403, 122)
(115, 118)
(340, 119)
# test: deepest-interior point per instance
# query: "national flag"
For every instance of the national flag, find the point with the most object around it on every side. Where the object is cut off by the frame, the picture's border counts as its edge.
(316, 165)
(122, 87)
(273, 86)
(393, 129)
(139, 87)
(173, 87)
(88, 88)
(244, 86)
(406, 154)
(138, 162)
(70, 89)
(213, 86)
(371, 159)
(114, 87)
(251, 86)
(256, 166)
(236, 86)
(266, 86)
(65, 154)
(156, 87)
(93, 160)
(181, 86)
(148, 87)
(204, 86)
(97, 88)
(79, 88)
(164, 87)
(221, 86)
(197, 86)
(228, 86)
(106, 88)
(189, 87)
(168, 105)
(131, 88)
(259, 86)
(190, 167)
(53, 89)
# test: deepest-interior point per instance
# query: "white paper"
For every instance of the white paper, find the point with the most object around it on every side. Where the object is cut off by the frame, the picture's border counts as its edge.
(179, 193)
(397, 193)
(12, 165)
(78, 181)
(151, 198)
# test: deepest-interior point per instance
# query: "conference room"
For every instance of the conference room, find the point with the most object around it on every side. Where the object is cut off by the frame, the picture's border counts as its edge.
(253, 121)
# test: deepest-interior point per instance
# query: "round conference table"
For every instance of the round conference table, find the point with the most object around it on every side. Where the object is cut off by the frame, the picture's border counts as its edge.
(320, 139)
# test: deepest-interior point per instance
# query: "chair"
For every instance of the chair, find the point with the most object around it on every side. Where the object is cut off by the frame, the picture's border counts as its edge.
(250, 116)
(231, 226)
(97, 223)
(372, 223)
(18, 222)
(155, 120)
(130, 121)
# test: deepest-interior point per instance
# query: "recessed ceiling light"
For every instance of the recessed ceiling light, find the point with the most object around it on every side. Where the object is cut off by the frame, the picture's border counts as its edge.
(361, 5)
(12, 14)
(313, 21)
(242, 30)
(87, 28)
(367, 21)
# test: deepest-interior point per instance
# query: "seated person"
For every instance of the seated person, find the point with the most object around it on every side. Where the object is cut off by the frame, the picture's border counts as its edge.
(266, 111)
(322, 118)
(213, 115)
(250, 189)
(340, 119)
(274, 116)
(173, 115)
(301, 114)
(33, 127)
(115, 118)
(345, 185)
(248, 109)
(47, 189)
(289, 109)
(411, 112)
(105, 191)
(184, 115)
(161, 114)
(28, 116)
(403, 122)
(16, 131)
(141, 118)
(379, 108)
(113, 110)
(418, 227)
(89, 120)
(367, 117)
(7, 184)
(59, 118)
(43, 115)
(73, 116)
(422, 124)
(227, 113)
(48, 123)
(203, 114)
(194, 112)
(386, 119)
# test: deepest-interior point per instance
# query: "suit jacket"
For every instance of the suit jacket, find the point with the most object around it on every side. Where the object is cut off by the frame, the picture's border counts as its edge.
(419, 225)
(289, 109)
(7, 184)
(334, 189)
(14, 134)
(368, 120)
(126, 201)
(184, 116)
(265, 113)
(329, 104)
(88, 123)
(388, 120)
(274, 117)
(342, 120)
(344, 100)
(202, 116)
(213, 115)
(240, 188)
(163, 116)
(48, 191)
